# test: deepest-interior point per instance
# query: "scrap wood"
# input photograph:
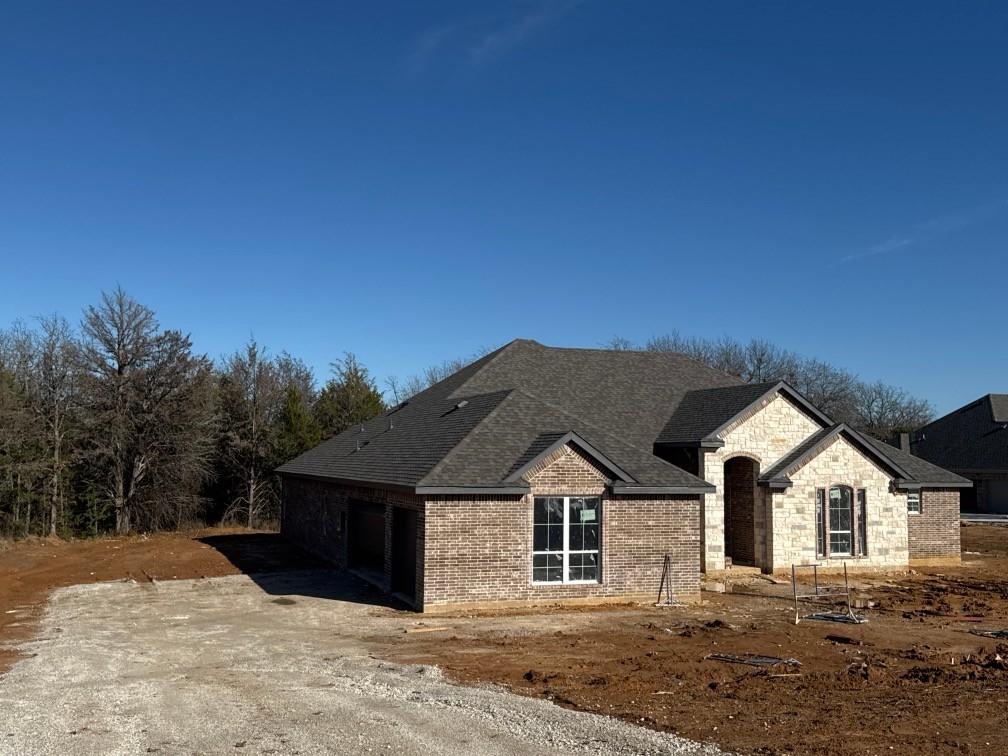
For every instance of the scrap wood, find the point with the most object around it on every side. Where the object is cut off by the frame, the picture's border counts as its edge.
(426, 629)
(754, 660)
(999, 634)
(850, 619)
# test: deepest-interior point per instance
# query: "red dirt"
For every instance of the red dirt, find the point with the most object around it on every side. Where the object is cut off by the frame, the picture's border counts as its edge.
(911, 680)
(29, 570)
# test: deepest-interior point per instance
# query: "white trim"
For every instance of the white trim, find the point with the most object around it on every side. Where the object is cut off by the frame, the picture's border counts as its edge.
(565, 569)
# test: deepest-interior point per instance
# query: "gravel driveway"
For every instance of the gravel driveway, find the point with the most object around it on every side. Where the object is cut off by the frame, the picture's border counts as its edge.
(274, 664)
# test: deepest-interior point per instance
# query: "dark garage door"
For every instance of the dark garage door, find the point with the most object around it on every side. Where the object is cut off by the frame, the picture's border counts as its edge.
(366, 536)
(404, 551)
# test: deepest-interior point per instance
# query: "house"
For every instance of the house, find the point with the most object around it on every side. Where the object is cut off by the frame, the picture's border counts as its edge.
(546, 474)
(973, 442)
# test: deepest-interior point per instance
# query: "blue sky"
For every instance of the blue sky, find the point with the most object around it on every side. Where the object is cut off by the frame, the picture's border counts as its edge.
(412, 182)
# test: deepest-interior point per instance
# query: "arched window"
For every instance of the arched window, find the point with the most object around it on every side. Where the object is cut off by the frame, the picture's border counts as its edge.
(841, 522)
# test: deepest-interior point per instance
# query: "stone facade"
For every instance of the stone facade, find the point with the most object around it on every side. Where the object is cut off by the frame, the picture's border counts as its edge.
(765, 434)
(934, 533)
(793, 511)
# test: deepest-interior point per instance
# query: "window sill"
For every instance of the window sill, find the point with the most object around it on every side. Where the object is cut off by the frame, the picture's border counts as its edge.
(566, 582)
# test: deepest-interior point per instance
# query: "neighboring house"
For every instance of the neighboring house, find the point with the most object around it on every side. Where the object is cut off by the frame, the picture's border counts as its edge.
(544, 474)
(972, 441)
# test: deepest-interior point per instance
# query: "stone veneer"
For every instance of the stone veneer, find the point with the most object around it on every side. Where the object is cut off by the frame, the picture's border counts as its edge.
(765, 434)
(793, 538)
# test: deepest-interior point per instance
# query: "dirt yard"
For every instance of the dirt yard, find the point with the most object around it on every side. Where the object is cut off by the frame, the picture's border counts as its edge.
(911, 680)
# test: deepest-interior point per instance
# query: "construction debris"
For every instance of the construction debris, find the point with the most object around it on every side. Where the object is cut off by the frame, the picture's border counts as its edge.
(754, 660)
(831, 594)
(850, 619)
(999, 634)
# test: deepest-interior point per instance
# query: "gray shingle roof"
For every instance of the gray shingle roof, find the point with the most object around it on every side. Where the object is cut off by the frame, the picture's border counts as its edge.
(618, 400)
(973, 437)
(906, 468)
(703, 411)
(920, 470)
(474, 429)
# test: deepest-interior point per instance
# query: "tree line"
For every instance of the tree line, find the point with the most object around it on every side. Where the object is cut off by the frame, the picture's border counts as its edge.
(115, 424)
(118, 425)
(877, 408)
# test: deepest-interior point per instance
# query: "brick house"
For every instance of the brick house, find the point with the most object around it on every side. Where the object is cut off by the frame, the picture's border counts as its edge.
(973, 442)
(546, 474)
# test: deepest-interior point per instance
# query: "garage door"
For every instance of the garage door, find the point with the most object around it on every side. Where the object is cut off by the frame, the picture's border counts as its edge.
(997, 497)
(366, 536)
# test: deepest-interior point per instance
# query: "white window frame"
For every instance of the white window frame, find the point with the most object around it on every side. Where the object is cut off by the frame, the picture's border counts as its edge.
(829, 527)
(917, 496)
(566, 543)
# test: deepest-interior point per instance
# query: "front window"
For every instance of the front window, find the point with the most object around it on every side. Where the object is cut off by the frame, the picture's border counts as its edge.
(841, 527)
(841, 520)
(566, 532)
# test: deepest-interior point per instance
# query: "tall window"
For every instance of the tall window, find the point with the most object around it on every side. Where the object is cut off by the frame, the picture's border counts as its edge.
(566, 532)
(841, 522)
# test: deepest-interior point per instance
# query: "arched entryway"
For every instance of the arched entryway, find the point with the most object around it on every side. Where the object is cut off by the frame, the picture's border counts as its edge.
(740, 476)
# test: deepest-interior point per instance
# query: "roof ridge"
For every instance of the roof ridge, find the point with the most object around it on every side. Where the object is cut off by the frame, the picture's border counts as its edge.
(487, 360)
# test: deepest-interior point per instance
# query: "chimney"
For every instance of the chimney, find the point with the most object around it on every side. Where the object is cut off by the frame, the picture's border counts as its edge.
(904, 442)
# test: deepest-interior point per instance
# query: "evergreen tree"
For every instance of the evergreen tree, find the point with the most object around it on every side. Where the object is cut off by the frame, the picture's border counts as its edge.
(349, 398)
(297, 431)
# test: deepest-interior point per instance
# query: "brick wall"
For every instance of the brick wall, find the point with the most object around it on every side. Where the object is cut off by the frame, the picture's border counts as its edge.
(310, 517)
(934, 533)
(475, 549)
(479, 549)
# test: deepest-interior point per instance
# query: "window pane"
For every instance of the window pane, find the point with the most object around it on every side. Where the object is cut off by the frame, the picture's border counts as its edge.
(590, 537)
(840, 543)
(556, 538)
(540, 537)
(583, 567)
(547, 510)
(547, 567)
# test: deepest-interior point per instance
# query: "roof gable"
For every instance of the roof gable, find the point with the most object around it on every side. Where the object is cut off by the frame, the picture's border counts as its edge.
(547, 444)
(704, 414)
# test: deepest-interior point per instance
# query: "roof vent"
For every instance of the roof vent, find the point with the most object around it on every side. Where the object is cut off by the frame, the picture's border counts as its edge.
(391, 425)
(361, 445)
(462, 404)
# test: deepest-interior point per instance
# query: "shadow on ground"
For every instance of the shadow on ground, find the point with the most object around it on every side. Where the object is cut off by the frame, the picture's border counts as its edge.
(282, 569)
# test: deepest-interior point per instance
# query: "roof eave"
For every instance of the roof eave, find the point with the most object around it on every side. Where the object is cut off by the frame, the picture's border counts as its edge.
(473, 490)
(776, 484)
(904, 484)
(622, 488)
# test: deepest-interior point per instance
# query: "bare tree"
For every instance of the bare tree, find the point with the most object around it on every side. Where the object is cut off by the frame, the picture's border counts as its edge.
(144, 424)
(252, 393)
(52, 385)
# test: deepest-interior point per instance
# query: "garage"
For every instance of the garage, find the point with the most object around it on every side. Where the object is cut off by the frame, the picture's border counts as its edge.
(997, 496)
(366, 536)
(404, 551)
